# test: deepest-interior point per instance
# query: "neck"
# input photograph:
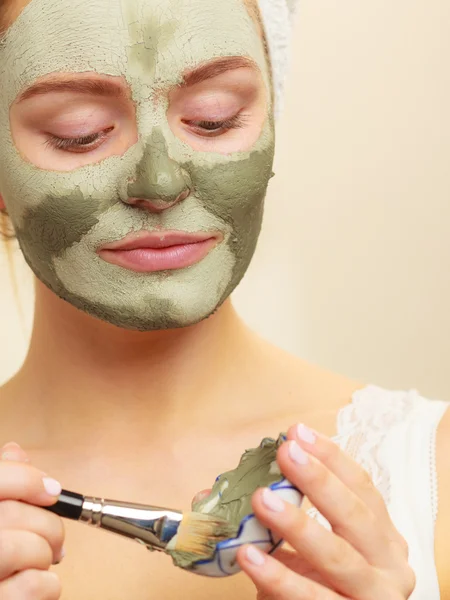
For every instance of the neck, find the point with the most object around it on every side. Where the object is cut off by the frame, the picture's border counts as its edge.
(82, 372)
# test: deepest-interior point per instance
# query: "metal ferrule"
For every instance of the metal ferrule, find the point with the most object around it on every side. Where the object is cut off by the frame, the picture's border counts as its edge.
(149, 525)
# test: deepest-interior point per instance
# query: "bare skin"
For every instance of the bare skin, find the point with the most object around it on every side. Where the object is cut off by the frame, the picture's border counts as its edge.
(118, 407)
(118, 430)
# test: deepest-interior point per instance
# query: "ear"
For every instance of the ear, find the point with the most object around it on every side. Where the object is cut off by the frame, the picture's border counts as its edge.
(2, 204)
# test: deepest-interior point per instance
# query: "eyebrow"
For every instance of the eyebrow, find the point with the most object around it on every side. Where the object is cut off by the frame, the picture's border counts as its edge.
(217, 67)
(81, 86)
(93, 87)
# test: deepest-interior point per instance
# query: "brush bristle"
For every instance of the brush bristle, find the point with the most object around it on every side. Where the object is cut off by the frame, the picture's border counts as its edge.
(200, 533)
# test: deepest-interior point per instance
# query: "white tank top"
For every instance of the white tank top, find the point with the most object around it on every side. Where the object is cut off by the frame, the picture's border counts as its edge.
(393, 436)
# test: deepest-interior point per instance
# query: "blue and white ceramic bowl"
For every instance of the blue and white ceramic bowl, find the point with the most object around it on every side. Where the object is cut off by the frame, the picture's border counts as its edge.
(251, 531)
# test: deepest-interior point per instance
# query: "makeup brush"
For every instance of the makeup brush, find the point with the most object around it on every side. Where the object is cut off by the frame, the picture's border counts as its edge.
(157, 528)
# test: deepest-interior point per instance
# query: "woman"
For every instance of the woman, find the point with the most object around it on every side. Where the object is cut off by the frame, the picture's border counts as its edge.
(136, 146)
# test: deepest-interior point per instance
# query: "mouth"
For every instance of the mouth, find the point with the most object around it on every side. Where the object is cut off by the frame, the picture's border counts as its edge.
(150, 252)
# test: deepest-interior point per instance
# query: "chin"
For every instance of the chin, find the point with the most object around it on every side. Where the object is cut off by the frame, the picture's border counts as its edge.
(158, 302)
(164, 314)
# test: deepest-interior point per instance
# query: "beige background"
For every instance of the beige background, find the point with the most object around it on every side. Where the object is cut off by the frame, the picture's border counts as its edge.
(353, 266)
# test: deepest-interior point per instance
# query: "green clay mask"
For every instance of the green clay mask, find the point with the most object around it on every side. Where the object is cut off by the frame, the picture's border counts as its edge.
(62, 218)
(231, 495)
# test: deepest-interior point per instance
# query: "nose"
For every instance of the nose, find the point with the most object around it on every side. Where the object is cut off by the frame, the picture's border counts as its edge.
(157, 205)
(160, 182)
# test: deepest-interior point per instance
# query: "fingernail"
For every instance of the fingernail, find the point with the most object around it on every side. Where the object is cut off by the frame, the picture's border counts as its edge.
(255, 556)
(52, 487)
(297, 454)
(305, 434)
(11, 455)
(11, 451)
(60, 557)
(272, 501)
(13, 444)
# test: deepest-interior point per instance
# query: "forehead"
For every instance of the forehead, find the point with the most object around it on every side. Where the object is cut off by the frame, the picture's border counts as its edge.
(151, 40)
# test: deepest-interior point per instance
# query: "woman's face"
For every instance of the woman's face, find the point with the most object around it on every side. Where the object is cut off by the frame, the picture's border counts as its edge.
(148, 120)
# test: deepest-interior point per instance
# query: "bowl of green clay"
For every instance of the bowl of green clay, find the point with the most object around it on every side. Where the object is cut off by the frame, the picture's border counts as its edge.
(230, 499)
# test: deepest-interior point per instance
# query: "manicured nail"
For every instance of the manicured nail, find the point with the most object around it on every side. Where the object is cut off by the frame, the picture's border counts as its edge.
(52, 487)
(255, 556)
(272, 501)
(305, 434)
(297, 454)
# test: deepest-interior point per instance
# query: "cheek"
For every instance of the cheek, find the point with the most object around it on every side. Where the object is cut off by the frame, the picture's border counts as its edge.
(234, 192)
(234, 188)
(58, 223)
(49, 229)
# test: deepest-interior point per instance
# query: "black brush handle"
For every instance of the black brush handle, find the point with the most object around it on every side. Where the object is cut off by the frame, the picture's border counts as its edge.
(69, 505)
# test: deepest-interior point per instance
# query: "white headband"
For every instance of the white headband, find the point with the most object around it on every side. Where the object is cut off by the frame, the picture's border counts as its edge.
(278, 19)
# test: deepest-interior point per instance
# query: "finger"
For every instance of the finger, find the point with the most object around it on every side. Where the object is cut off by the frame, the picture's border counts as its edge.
(278, 582)
(22, 550)
(31, 585)
(293, 561)
(12, 451)
(201, 496)
(25, 517)
(351, 473)
(350, 517)
(340, 565)
(19, 481)
(298, 564)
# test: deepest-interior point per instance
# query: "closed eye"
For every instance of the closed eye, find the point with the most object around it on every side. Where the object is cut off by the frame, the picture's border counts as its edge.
(80, 144)
(216, 128)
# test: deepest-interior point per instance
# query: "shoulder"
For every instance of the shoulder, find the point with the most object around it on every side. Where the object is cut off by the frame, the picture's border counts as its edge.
(302, 387)
(442, 532)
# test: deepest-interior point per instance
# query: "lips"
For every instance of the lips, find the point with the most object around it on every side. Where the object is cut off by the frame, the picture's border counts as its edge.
(158, 240)
(148, 252)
